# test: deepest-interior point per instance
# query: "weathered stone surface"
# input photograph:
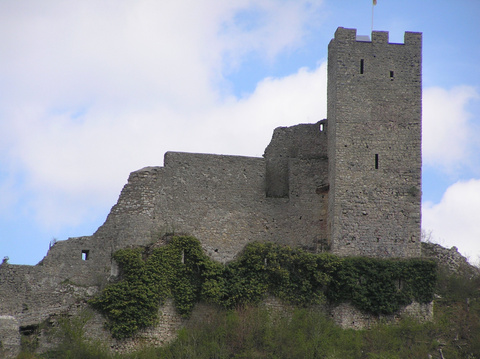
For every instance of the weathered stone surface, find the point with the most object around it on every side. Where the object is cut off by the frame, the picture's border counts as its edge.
(449, 258)
(374, 144)
(347, 316)
(9, 336)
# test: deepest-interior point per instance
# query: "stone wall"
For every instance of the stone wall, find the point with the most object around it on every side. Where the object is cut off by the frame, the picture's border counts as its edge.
(223, 200)
(449, 259)
(9, 337)
(347, 316)
(374, 131)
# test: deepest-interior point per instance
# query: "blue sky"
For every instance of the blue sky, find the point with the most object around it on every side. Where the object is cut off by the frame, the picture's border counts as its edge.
(93, 90)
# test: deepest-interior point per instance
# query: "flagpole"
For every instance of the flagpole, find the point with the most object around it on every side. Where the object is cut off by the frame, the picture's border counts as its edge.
(373, 7)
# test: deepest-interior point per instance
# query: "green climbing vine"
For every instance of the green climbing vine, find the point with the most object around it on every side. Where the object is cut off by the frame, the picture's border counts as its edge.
(181, 270)
(147, 280)
(382, 286)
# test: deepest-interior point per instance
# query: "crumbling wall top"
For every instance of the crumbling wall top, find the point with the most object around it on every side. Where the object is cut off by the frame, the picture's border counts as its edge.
(299, 141)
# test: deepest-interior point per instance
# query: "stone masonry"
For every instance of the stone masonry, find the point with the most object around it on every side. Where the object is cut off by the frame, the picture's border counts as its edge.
(374, 144)
(349, 184)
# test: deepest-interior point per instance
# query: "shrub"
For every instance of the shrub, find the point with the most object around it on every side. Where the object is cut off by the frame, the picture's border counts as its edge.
(70, 334)
(181, 270)
(381, 286)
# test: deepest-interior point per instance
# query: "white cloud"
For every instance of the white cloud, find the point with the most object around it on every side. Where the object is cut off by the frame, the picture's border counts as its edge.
(8, 194)
(455, 220)
(448, 134)
(245, 126)
(267, 28)
(94, 90)
(83, 53)
(74, 166)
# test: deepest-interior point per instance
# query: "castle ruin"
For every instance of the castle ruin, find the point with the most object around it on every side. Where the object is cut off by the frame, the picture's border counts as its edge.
(349, 184)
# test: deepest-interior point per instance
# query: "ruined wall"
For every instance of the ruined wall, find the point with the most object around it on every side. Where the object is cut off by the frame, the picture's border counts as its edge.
(449, 259)
(297, 178)
(374, 130)
(223, 200)
(9, 337)
(30, 294)
(347, 316)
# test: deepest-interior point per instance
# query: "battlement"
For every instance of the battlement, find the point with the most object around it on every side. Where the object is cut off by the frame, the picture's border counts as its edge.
(378, 37)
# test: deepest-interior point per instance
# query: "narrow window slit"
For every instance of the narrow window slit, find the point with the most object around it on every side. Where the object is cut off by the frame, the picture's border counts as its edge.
(361, 66)
(376, 161)
(392, 75)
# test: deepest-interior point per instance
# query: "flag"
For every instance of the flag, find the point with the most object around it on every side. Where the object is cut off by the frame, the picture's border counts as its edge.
(374, 2)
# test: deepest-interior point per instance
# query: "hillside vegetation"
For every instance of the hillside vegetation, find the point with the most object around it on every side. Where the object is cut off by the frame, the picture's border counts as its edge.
(242, 329)
(181, 270)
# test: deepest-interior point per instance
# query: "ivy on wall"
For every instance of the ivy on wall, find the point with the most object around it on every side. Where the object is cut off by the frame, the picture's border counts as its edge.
(382, 286)
(181, 270)
(133, 302)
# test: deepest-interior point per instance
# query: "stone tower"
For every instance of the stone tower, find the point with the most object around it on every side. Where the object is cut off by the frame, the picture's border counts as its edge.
(374, 149)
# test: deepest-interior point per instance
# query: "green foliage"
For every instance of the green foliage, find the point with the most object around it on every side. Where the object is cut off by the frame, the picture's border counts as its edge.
(381, 286)
(457, 314)
(181, 270)
(293, 275)
(457, 286)
(255, 332)
(28, 344)
(70, 334)
(133, 302)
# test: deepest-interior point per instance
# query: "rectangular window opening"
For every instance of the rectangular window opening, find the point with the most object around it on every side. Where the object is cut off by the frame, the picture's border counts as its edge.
(85, 253)
(376, 161)
(361, 66)
(392, 75)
